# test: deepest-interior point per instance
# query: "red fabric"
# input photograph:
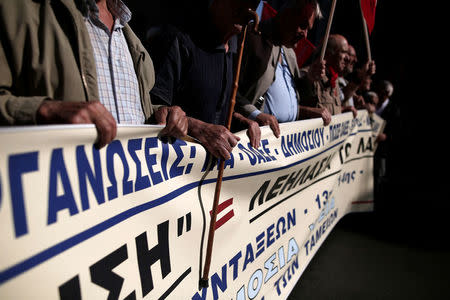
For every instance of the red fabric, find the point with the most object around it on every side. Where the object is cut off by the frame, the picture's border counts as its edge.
(303, 51)
(304, 47)
(268, 11)
(368, 8)
(333, 76)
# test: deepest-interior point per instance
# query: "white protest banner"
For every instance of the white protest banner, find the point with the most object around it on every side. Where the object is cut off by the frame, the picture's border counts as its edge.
(130, 221)
(378, 125)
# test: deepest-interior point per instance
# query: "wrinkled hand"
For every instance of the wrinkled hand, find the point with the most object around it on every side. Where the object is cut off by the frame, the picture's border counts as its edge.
(217, 139)
(307, 112)
(352, 109)
(253, 130)
(325, 115)
(266, 119)
(367, 70)
(316, 70)
(370, 68)
(59, 112)
(175, 120)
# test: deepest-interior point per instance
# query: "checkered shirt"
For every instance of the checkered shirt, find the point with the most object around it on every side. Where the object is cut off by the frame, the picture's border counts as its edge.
(117, 81)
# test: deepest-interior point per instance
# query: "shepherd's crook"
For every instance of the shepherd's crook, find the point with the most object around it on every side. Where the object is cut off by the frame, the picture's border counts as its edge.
(204, 280)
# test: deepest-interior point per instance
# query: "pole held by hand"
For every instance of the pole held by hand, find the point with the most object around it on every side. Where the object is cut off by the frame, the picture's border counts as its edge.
(327, 32)
(212, 225)
(366, 34)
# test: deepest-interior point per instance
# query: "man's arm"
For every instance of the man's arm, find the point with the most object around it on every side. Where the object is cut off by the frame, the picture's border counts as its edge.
(253, 130)
(175, 120)
(168, 65)
(15, 110)
(350, 108)
(59, 112)
(248, 110)
(308, 83)
(306, 112)
(32, 110)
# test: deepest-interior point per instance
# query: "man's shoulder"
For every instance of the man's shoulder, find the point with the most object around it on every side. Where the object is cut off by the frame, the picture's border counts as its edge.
(168, 34)
(168, 40)
(18, 8)
(17, 3)
(20, 13)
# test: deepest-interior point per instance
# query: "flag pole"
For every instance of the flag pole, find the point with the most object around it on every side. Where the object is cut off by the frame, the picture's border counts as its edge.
(327, 32)
(366, 34)
(212, 224)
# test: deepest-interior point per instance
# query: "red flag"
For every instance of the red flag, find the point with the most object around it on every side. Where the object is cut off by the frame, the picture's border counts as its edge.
(303, 51)
(368, 8)
(304, 48)
(268, 11)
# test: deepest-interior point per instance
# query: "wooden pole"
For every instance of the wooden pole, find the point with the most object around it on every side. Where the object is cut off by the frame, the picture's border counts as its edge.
(204, 280)
(366, 34)
(327, 32)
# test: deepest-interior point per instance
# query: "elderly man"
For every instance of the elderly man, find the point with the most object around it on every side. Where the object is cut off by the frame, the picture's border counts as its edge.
(324, 91)
(195, 70)
(268, 90)
(351, 79)
(77, 61)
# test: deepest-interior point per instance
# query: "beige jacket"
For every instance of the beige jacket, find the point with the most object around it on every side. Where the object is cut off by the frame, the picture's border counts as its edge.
(258, 70)
(320, 93)
(46, 54)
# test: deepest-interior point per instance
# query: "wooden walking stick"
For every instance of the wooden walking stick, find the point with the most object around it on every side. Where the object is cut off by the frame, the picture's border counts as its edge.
(204, 280)
(327, 32)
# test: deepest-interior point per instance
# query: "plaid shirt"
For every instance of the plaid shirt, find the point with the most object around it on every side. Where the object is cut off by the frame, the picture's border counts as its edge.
(116, 77)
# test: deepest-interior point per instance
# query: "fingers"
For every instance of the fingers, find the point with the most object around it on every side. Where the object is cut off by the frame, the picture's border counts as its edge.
(275, 128)
(232, 139)
(161, 115)
(266, 119)
(354, 111)
(326, 117)
(104, 123)
(226, 141)
(217, 139)
(59, 112)
(175, 119)
(106, 131)
(221, 151)
(254, 134)
(223, 145)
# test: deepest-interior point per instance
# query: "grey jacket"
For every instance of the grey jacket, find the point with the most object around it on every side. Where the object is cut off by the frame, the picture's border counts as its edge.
(46, 54)
(258, 69)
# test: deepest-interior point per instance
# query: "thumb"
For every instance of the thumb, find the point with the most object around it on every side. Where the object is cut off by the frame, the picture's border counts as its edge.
(161, 115)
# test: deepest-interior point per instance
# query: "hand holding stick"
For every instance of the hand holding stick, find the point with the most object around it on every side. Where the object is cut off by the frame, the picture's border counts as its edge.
(204, 280)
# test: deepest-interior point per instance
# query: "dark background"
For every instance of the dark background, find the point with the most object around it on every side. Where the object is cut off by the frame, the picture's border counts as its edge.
(404, 51)
(401, 250)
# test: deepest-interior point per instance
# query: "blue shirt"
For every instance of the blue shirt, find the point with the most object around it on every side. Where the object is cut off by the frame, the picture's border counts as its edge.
(281, 97)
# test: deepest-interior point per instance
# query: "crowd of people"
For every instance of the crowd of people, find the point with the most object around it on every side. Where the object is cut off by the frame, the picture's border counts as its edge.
(78, 61)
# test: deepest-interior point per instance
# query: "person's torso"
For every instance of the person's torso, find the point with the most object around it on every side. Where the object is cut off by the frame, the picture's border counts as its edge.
(206, 87)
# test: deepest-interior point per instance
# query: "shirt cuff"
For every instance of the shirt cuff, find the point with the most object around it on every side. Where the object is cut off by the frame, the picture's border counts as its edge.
(254, 114)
